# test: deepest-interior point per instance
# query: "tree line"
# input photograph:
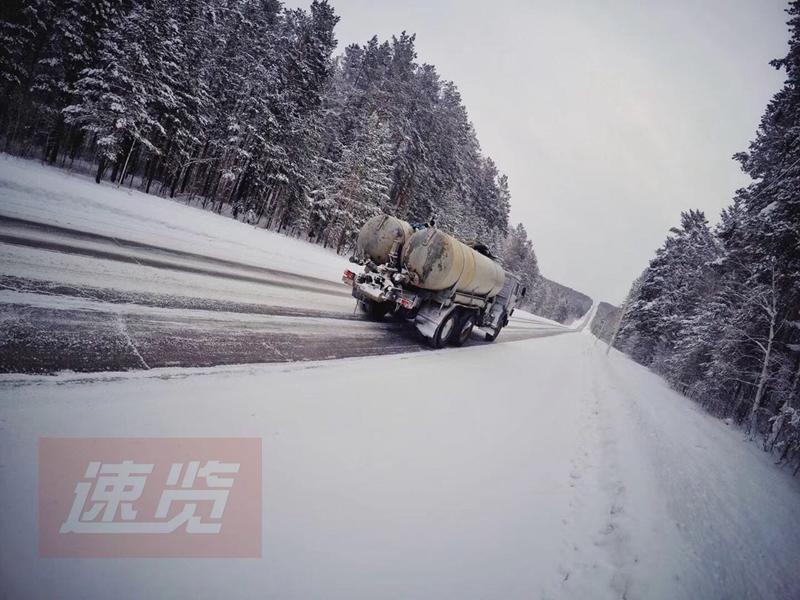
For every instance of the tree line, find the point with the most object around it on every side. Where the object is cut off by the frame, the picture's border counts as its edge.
(717, 311)
(242, 106)
(558, 302)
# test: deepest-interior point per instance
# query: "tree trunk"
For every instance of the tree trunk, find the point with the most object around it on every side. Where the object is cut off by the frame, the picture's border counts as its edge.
(762, 379)
(55, 142)
(101, 166)
(134, 165)
(125, 166)
(207, 181)
(115, 170)
(153, 169)
(777, 428)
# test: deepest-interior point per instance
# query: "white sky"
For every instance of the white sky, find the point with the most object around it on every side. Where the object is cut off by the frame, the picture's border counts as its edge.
(609, 117)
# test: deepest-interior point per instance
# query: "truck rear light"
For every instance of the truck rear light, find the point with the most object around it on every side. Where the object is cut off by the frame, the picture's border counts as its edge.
(348, 276)
(406, 302)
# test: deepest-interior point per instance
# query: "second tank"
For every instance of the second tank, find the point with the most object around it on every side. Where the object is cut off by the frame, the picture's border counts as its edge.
(437, 261)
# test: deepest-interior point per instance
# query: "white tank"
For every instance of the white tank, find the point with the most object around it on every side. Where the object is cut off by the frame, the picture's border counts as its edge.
(377, 237)
(437, 261)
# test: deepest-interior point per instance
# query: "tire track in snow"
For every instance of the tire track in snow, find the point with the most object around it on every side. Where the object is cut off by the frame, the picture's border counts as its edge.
(48, 333)
(19, 232)
(329, 287)
(598, 556)
(112, 296)
(614, 535)
(67, 326)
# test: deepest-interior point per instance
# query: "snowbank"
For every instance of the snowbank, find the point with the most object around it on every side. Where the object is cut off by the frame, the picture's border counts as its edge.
(529, 469)
(57, 197)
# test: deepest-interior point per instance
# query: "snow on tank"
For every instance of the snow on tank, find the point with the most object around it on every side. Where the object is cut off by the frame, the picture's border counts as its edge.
(436, 261)
(377, 237)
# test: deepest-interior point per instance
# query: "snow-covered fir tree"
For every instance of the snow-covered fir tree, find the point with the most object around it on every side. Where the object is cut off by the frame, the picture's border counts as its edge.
(717, 312)
(241, 105)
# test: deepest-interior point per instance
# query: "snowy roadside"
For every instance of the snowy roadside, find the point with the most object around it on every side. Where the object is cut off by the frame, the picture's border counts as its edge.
(86, 271)
(533, 468)
(536, 468)
(94, 278)
(49, 195)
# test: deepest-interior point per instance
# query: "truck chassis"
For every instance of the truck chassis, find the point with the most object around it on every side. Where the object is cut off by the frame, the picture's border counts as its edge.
(442, 317)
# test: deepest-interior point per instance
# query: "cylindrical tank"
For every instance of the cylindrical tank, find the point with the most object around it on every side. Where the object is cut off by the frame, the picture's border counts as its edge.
(377, 237)
(437, 261)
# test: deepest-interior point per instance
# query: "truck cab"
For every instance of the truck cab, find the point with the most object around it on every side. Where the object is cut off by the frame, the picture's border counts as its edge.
(503, 306)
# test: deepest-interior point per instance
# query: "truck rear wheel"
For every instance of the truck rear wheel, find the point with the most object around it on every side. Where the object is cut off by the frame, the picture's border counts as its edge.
(465, 326)
(490, 337)
(375, 310)
(444, 332)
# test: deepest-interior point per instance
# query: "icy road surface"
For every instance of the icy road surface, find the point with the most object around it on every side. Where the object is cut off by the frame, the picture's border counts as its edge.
(94, 278)
(534, 469)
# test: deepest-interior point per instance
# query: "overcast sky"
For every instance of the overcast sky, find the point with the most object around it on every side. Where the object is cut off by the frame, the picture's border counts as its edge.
(609, 117)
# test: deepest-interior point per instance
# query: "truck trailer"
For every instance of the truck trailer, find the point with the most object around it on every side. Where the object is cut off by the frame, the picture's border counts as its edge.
(446, 287)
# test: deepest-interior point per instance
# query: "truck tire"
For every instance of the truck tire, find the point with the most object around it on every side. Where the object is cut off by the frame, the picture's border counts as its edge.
(445, 330)
(376, 311)
(465, 325)
(490, 337)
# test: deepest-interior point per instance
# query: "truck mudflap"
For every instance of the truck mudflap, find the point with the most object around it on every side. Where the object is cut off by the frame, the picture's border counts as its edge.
(368, 291)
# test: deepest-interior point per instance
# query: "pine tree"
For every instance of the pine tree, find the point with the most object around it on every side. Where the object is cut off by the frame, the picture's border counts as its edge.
(122, 101)
(715, 312)
(240, 104)
(360, 185)
(766, 245)
(519, 256)
(670, 291)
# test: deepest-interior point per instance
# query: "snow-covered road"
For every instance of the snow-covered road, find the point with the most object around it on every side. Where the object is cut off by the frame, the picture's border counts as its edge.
(94, 278)
(538, 468)
(533, 469)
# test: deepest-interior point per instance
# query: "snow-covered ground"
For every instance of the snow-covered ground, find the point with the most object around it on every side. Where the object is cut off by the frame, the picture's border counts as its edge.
(534, 469)
(98, 278)
(47, 195)
(539, 468)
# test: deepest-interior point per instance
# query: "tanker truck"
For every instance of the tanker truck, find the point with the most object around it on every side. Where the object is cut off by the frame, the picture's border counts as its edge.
(445, 287)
